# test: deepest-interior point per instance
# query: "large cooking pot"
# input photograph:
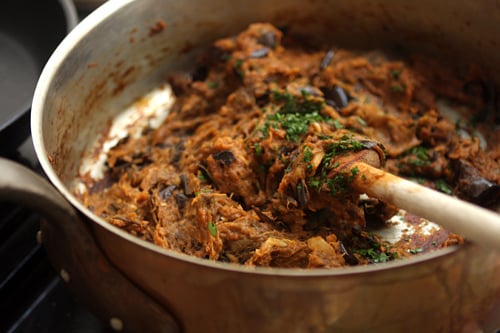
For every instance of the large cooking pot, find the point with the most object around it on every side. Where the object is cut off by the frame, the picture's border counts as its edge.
(123, 50)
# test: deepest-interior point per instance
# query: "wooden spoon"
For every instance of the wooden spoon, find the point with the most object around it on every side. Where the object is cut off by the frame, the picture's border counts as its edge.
(474, 223)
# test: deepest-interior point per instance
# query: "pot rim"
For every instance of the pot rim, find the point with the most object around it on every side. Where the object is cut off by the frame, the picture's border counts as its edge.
(40, 94)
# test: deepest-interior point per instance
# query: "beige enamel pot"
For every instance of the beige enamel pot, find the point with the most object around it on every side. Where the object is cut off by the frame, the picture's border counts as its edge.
(123, 50)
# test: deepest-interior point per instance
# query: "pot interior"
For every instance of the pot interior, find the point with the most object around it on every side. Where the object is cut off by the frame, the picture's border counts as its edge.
(124, 50)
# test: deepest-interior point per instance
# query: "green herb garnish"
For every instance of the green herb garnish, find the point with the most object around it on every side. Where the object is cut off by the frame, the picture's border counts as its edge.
(314, 183)
(295, 124)
(375, 255)
(258, 149)
(337, 184)
(416, 250)
(213, 84)
(308, 155)
(345, 144)
(418, 180)
(421, 156)
(212, 228)
(294, 114)
(237, 65)
(354, 173)
(395, 73)
(397, 88)
(337, 124)
(442, 186)
(293, 104)
(361, 121)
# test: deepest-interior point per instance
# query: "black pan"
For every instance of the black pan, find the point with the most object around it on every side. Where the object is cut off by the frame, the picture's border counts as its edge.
(30, 30)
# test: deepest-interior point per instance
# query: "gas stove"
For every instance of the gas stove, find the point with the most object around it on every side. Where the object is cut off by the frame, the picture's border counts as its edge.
(33, 297)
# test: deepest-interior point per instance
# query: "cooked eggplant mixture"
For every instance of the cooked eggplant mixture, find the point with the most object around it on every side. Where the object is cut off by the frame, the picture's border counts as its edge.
(254, 161)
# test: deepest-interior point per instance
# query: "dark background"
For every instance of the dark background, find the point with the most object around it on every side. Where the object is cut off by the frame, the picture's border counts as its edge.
(33, 297)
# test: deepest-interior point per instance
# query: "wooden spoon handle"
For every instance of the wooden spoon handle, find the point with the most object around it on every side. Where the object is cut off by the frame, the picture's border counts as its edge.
(474, 223)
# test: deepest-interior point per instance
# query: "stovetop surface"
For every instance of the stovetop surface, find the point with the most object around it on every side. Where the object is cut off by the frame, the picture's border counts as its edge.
(33, 297)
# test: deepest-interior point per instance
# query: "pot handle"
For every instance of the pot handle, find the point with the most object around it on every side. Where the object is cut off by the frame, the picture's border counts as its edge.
(75, 254)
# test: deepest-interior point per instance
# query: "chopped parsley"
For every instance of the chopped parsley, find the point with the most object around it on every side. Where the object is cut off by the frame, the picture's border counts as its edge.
(213, 84)
(354, 173)
(420, 156)
(339, 183)
(258, 149)
(308, 155)
(442, 186)
(416, 250)
(345, 144)
(395, 73)
(314, 183)
(398, 88)
(361, 121)
(294, 115)
(293, 104)
(237, 67)
(337, 124)
(336, 185)
(295, 124)
(375, 255)
(212, 228)
(418, 180)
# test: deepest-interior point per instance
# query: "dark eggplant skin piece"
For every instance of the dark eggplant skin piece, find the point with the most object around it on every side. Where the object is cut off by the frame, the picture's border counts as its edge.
(226, 157)
(268, 38)
(327, 59)
(336, 97)
(473, 187)
(259, 53)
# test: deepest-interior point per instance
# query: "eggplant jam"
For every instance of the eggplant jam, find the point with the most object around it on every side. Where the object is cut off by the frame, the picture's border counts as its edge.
(250, 166)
